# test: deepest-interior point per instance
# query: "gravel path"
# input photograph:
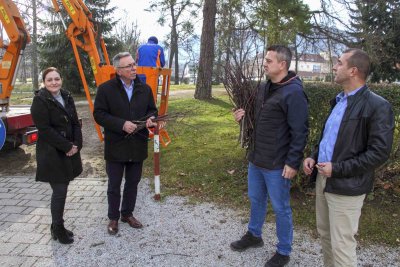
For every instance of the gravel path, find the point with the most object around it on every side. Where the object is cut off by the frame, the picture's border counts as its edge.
(177, 233)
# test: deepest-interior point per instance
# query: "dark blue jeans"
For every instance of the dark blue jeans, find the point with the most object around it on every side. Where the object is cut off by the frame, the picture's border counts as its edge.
(264, 184)
(115, 172)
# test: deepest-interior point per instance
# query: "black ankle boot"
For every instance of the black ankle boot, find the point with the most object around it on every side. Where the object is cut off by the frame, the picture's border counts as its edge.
(70, 233)
(59, 232)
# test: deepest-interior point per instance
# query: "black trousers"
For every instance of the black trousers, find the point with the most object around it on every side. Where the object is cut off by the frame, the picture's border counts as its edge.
(133, 174)
(58, 201)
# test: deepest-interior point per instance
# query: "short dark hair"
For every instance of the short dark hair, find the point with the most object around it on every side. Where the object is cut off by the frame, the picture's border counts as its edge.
(118, 56)
(48, 70)
(153, 39)
(283, 53)
(360, 60)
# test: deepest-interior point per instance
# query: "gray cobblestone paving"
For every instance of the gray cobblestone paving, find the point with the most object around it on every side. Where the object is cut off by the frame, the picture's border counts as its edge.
(176, 233)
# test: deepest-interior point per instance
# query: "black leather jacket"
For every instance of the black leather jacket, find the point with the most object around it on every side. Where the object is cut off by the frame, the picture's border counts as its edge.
(364, 142)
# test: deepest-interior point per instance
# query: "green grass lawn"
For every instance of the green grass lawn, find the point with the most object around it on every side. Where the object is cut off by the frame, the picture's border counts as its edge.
(205, 162)
(204, 152)
(21, 98)
(175, 87)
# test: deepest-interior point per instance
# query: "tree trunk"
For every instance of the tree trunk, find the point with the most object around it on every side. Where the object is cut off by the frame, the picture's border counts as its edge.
(296, 56)
(173, 57)
(218, 70)
(24, 76)
(330, 61)
(228, 46)
(35, 72)
(183, 71)
(176, 65)
(204, 81)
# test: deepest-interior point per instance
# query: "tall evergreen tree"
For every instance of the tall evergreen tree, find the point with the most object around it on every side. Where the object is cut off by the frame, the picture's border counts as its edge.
(229, 16)
(376, 27)
(280, 21)
(104, 23)
(56, 50)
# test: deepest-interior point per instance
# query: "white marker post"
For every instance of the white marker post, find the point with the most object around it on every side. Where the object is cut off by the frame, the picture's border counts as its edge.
(157, 195)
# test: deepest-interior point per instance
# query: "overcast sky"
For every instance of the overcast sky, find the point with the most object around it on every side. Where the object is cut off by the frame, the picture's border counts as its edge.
(146, 21)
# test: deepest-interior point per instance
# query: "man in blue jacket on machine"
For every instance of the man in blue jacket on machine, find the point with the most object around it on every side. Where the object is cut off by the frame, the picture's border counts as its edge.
(150, 54)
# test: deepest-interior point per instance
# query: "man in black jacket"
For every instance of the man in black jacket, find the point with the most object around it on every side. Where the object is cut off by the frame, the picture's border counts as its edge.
(356, 139)
(121, 103)
(279, 137)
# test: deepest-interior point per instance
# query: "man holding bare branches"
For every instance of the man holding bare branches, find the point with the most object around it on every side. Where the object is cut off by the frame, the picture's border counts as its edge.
(276, 152)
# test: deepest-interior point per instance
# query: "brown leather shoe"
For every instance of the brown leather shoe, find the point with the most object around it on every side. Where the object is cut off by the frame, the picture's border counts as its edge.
(132, 222)
(112, 227)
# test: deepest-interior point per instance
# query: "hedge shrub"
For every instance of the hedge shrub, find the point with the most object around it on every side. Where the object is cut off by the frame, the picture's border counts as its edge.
(319, 95)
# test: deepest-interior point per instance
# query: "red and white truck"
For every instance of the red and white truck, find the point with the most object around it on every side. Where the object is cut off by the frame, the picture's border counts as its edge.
(16, 125)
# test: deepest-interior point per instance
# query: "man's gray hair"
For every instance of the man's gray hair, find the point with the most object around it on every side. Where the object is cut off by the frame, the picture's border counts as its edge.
(118, 57)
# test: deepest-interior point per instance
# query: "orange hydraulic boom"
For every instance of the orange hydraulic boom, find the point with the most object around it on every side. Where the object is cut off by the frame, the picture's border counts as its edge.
(82, 33)
(16, 124)
(82, 26)
(15, 28)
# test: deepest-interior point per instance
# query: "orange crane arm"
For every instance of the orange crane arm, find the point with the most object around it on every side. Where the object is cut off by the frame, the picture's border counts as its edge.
(82, 33)
(82, 26)
(15, 28)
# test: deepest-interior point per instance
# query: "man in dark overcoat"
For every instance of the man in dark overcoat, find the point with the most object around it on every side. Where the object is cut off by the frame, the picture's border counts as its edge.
(120, 104)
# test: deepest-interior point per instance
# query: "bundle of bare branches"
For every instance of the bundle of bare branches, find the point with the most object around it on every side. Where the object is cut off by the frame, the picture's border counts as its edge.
(242, 91)
(243, 73)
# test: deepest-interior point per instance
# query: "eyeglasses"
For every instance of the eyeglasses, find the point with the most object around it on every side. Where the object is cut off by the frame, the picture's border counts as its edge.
(130, 66)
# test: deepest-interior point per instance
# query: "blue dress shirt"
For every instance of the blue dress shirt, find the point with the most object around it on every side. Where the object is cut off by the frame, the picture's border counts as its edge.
(332, 126)
(128, 88)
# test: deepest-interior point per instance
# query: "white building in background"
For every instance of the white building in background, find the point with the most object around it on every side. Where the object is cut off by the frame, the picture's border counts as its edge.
(310, 67)
(313, 66)
(187, 73)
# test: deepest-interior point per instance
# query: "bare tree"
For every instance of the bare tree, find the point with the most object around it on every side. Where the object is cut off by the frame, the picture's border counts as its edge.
(328, 23)
(35, 71)
(29, 12)
(180, 14)
(192, 62)
(128, 34)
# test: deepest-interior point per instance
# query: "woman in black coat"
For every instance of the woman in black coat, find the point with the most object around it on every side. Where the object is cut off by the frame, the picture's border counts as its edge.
(57, 149)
